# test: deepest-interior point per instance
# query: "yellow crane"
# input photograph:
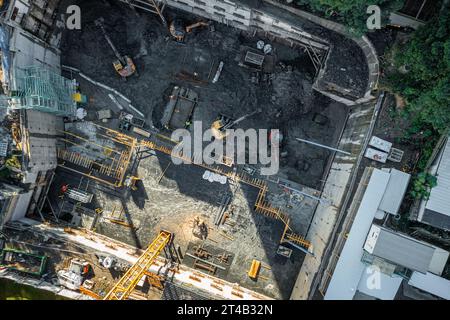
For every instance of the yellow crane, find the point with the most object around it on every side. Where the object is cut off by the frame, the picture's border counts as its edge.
(125, 286)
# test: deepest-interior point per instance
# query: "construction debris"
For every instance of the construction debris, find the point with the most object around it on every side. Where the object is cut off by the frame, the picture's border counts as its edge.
(199, 229)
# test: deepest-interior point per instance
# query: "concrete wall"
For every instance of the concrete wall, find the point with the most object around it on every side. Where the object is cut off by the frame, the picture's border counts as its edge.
(327, 215)
(35, 16)
(28, 49)
(240, 16)
(363, 42)
(245, 18)
(17, 207)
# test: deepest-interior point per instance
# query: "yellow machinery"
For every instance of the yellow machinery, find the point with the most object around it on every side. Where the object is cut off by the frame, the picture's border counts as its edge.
(125, 286)
(130, 182)
(196, 25)
(124, 65)
(178, 31)
(254, 269)
(222, 123)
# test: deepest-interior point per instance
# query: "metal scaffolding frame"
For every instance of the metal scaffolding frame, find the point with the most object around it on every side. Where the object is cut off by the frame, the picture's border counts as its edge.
(109, 168)
(41, 89)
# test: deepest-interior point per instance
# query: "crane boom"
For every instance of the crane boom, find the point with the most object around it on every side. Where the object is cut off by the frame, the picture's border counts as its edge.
(125, 286)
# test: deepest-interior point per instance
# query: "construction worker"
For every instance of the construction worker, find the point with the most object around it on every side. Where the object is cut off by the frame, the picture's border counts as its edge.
(64, 188)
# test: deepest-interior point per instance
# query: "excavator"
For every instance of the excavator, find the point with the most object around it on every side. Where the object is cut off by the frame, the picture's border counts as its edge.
(124, 65)
(222, 123)
(178, 31)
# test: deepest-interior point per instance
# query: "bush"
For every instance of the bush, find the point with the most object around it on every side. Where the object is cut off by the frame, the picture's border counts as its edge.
(352, 13)
(425, 83)
(422, 185)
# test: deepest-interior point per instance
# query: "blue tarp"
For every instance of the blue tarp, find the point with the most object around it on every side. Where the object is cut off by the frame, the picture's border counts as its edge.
(6, 56)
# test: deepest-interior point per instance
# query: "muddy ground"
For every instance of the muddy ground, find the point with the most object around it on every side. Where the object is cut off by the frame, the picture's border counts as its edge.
(171, 197)
(288, 102)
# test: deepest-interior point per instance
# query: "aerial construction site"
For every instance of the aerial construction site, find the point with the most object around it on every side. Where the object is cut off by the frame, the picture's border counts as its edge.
(95, 204)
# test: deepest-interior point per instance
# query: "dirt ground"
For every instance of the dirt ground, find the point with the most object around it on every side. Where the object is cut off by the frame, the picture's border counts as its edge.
(174, 199)
(288, 102)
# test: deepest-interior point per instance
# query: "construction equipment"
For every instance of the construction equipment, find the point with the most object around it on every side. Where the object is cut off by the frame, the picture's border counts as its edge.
(24, 262)
(200, 229)
(125, 286)
(124, 65)
(254, 269)
(130, 182)
(178, 30)
(220, 126)
(196, 25)
(73, 277)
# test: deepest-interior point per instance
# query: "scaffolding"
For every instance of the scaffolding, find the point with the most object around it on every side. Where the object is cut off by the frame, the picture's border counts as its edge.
(108, 164)
(154, 6)
(41, 89)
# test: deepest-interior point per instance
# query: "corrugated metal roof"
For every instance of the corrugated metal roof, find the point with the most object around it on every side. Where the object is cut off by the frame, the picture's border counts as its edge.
(436, 219)
(395, 191)
(431, 283)
(438, 261)
(387, 288)
(403, 251)
(440, 195)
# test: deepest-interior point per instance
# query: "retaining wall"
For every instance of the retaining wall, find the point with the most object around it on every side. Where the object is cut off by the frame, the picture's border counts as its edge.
(248, 19)
(240, 15)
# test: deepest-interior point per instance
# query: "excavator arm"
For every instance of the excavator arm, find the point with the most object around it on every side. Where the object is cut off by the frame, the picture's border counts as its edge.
(196, 25)
(99, 23)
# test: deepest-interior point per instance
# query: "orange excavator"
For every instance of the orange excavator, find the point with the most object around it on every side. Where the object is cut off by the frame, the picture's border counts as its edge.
(178, 30)
(124, 65)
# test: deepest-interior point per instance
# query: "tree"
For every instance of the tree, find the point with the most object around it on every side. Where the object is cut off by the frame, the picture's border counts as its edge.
(352, 13)
(422, 185)
(424, 81)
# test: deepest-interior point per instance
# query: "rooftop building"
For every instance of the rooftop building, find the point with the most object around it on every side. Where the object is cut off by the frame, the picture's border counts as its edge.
(435, 210)
(375, 260)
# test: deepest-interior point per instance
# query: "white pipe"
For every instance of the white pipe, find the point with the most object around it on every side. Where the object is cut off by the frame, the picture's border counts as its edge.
(97, 83)
(323, 146)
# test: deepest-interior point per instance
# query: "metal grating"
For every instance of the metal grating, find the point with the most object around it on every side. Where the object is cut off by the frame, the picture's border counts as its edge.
(254, 58)
(3, 147)
(44, 90)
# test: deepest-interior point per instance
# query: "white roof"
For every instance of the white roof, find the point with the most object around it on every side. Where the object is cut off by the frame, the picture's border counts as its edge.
(438, 261)
(440, 194)
(376, 155)
(378, 284)
(395, 191)
(381, 144)
(431, 283)
(349, 269)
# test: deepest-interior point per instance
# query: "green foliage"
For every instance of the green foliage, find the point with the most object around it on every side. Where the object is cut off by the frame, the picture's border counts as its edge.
(352, 13)
(422, 185)
(426, 83)
(12, 162)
